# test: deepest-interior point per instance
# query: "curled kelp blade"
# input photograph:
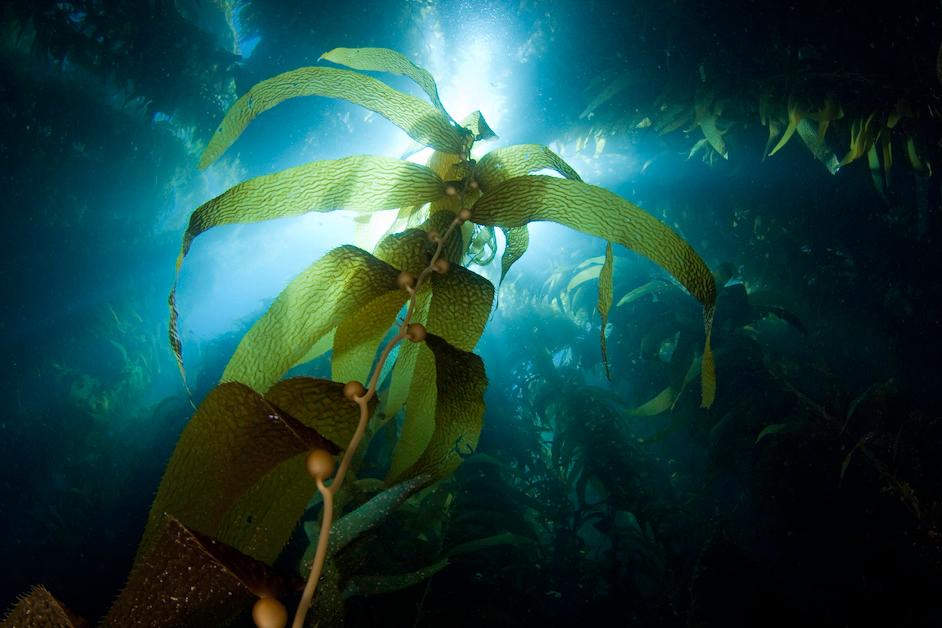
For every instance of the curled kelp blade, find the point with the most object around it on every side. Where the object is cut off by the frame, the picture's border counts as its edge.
(232, 441)
(40, 609)
(598, 212)
(459, 411)
(508, 162)
(421, 121)
(277, 501)
(474, 122)
(517, 241)
(605, 300)
(311, 306)
(189, 579)
(386, 60)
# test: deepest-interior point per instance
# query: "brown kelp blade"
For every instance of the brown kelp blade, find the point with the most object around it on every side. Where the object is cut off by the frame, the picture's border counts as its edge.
(39, 609)
(601, 213)
(261, 521)
(233, 440)
(190, 579)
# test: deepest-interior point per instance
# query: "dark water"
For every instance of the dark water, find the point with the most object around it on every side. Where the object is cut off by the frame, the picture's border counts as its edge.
(809, 494)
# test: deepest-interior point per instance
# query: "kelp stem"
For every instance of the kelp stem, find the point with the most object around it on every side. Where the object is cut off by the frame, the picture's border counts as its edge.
(319, 557)
(327, 519)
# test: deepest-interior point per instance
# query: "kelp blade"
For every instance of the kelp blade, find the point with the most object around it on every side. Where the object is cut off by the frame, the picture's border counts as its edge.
(233, 440)
(605, 300)
(362, 182)
(276, 502)
(459, 411)
(40, 609)
(601, 213)
(509, 162)
(314, 303)
(421, 121)
(386, 60)
(517, 241)
(189, 579)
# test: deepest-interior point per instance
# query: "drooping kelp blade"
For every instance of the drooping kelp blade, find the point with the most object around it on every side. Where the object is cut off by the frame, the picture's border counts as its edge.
(423, 122)
(509, 162)
(461, 305)
(476, 123)
(275, 503)
(605, 300)
(386, 60)
(418, 425)
(189, 579)
(233, 440)
(597, 211)
(363, 182)
(459, 411)
(359, 335)
(517, 241)
(315, 302)
(39, 609)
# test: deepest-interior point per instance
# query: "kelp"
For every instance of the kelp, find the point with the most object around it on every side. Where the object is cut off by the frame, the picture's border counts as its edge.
(386, 60)
(422, 122)
(517, 241)
(40, 609)
(459, 411)
(234, 439)
(597, 211)
(314, 303)
(515, 161)
(605, 301)
(189, 579)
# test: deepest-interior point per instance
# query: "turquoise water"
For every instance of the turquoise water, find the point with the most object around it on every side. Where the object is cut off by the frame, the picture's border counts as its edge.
(808, 494)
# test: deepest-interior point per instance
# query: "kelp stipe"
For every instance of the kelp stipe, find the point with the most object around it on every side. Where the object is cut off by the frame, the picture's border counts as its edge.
(240, 476)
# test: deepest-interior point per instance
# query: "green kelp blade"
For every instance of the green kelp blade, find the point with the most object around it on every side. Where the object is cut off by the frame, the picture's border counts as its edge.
(605, 300)
(601, 213)
(359, 335)
(233, 440)
(421, 121)
(339, 284)
(366, 183)
(509, 162)
(386, 60)
(402, 372)
(190, 579)
(418, 425)
(40, 609)
(363, 182)
(517, 241)
(461, 304)
(459, 411)
(476, 123)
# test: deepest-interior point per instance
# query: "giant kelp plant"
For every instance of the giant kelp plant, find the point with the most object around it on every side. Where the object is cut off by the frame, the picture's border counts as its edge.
(240, 477)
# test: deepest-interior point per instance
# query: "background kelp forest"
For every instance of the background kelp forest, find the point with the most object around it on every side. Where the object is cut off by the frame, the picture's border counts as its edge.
(795, 145)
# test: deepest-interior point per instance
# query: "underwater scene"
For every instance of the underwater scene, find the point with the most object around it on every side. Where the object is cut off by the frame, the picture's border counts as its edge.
(432, 313)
